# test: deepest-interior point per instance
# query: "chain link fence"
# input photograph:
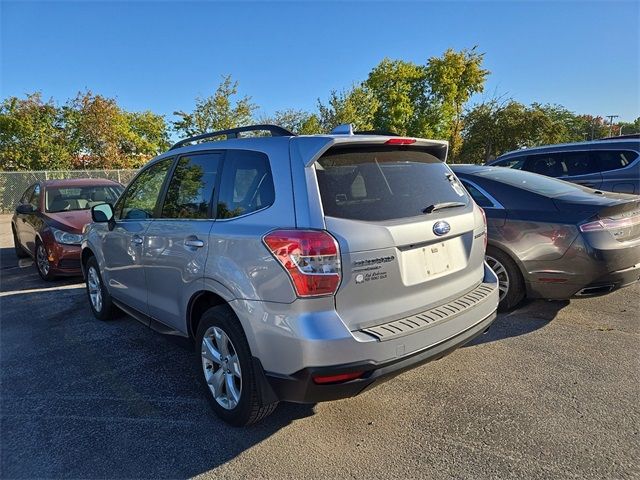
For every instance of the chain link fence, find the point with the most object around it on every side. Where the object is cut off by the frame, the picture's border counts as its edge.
(13, 184)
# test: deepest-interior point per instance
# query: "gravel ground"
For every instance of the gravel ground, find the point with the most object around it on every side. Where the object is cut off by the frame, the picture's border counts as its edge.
(550, 392)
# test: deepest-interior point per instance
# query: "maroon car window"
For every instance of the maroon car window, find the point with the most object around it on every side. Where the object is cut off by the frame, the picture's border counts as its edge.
(35, 196)
(61, 199)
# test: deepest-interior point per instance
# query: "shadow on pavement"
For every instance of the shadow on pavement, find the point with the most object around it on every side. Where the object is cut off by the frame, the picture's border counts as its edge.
(531, 316)
(16, 275)
(89, 399)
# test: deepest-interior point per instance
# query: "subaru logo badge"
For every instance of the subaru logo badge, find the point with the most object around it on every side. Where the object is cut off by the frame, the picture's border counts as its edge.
(441, 228)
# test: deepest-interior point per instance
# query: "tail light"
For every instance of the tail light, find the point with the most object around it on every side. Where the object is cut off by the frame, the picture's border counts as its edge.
(486, 231)
(610, 224)
(400, 141)
(310, 257)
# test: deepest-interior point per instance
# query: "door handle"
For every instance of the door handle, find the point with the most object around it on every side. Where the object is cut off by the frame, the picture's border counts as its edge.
(136, 240)
(193, 242)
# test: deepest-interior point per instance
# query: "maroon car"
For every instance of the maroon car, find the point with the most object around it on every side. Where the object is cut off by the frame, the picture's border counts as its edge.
(47, 224)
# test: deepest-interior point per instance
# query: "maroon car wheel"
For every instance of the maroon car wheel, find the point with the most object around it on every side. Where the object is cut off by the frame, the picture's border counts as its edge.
(42, 262)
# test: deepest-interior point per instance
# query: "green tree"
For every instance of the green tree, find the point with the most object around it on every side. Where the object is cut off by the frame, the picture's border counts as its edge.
(297, 121)
(627, 128)
(400, 98)
(452, 80)
(32, 135)
(220, 111)
(356, 106)
(100, 134)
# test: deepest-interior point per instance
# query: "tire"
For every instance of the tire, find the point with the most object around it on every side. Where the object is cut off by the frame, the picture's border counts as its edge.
(510, 280)
(20, 252)
(42, 262)
(229, 377)
(99, 298)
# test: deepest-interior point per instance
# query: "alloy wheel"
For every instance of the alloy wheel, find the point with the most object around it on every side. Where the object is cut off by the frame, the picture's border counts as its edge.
(95, 290)
(501, 272)
(42, 260)
(221, 367)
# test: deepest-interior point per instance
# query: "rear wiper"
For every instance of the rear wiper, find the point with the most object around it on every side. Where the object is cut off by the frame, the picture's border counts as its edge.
(442, 206)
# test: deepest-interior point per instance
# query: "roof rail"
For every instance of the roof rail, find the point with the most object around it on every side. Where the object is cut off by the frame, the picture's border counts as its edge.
(230, 133)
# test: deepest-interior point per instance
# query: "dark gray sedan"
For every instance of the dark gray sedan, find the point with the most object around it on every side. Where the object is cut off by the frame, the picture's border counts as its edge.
(554, 239)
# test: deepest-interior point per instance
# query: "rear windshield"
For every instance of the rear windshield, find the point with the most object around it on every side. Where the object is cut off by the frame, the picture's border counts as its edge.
(80, 198)
(377, 184)
(546, 186)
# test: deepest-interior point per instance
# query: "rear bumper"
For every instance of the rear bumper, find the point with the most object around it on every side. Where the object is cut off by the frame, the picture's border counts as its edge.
(301, 388)
(586, 271)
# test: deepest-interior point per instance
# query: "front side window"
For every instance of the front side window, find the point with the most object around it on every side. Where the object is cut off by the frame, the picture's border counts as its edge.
(246, 184)
(517, 162)
(614, 159)
(26, 196)
(139, 201)
(547, 164)
(35, 197)
(191, 189)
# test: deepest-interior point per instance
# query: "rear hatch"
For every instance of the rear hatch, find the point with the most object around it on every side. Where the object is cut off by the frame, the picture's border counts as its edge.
(410, 237)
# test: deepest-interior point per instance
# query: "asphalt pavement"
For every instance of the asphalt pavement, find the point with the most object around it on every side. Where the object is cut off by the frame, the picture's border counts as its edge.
(550, 392)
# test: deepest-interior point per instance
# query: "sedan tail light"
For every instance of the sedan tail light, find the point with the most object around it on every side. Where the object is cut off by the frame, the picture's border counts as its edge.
(610, 224)
(310, 257)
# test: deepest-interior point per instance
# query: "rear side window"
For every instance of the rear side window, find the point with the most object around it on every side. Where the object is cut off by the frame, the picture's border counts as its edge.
(191, 189)
(579, 163)
(562, 164)
(246, 184)
(614, 159)
(377, 184)
(477, 195)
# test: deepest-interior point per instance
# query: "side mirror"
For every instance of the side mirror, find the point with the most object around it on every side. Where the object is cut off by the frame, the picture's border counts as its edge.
(25, 209)
(103, 213)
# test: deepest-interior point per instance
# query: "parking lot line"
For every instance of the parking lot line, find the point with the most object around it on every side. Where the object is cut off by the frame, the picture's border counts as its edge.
(38, 290)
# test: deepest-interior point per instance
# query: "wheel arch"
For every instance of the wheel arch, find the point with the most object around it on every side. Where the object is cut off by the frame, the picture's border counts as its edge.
(86, 254)
(507, 251)
(199, 303)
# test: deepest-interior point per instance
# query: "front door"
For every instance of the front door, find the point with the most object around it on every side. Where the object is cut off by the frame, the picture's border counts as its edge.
(123, 247)
(177, 242)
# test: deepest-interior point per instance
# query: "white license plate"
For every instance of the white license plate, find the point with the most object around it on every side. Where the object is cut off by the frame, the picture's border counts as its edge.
(436, 258)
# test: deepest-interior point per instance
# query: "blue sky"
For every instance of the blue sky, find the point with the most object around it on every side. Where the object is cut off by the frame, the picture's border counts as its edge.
(161, 55)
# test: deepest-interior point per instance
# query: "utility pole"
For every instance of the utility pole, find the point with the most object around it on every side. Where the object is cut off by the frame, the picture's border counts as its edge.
(611, 117)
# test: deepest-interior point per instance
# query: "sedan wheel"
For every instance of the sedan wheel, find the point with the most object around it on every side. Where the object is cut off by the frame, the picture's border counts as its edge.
(501, 272)
(221, 368)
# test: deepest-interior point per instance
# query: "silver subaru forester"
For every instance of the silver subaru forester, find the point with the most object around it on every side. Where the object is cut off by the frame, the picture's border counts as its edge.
(305, 268)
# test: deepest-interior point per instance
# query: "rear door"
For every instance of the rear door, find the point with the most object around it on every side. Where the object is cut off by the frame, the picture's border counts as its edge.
(176, 246)
(407, 229)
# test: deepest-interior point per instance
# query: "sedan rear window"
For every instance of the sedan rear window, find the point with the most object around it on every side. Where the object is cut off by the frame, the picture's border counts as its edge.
(378, 184)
